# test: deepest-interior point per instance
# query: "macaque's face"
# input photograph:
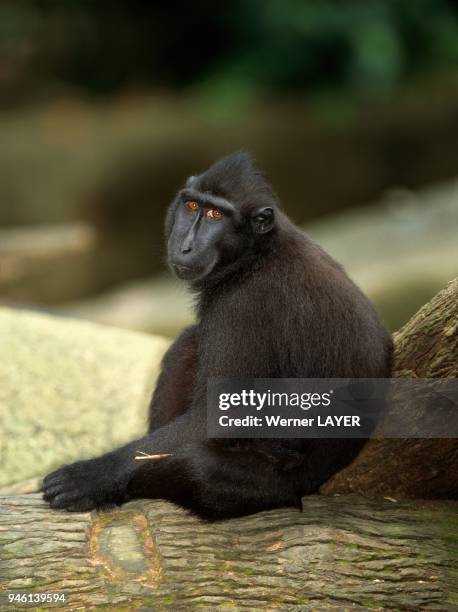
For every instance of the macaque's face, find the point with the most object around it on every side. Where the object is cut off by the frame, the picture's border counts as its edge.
(200, 233)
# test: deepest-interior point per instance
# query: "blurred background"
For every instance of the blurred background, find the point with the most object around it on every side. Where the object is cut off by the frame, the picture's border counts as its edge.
(351, 108)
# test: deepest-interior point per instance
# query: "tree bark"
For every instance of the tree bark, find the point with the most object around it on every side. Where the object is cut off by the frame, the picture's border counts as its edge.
(426, 347)
(338, 554)
(341, 552)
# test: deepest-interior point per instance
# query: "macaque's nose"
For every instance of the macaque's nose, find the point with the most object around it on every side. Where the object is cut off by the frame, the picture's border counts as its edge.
(190, 237)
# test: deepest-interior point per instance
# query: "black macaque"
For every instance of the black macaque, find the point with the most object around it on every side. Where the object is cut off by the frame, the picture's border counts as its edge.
(270, 303)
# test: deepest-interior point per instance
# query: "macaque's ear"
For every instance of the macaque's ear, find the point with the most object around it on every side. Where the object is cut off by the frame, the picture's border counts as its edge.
(190, 180)
(263, 220)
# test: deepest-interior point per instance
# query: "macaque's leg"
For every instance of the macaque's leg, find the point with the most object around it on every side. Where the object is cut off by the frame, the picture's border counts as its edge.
(212, 481)
(173, 393)
(102, 482)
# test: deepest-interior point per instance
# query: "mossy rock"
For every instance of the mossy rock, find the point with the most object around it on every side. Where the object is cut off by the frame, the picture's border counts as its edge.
(69, 389)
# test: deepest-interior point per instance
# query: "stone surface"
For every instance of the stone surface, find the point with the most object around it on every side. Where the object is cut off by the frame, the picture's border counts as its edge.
(69, 390)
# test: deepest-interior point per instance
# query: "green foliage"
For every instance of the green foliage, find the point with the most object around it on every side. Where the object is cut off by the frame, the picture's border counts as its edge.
(360, 44)
(234, 51)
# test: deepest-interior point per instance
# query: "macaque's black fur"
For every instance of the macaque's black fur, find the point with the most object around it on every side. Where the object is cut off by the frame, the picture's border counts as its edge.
(270, 303)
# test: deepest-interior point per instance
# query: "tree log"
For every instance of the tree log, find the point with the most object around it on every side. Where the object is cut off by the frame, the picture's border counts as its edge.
(426, 347)
(338, 554)
(341, 552)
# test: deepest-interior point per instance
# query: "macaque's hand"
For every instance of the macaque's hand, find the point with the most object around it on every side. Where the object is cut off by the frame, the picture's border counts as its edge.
(84, 486)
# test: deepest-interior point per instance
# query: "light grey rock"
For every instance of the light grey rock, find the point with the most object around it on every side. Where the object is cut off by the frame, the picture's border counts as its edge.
(69, 389)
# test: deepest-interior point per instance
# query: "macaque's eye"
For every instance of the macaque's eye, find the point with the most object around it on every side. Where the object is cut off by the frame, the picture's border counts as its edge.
(192, 206)
(214, 214)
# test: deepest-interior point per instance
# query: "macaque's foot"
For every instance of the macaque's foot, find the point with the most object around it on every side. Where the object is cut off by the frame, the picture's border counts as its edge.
(83, 486)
